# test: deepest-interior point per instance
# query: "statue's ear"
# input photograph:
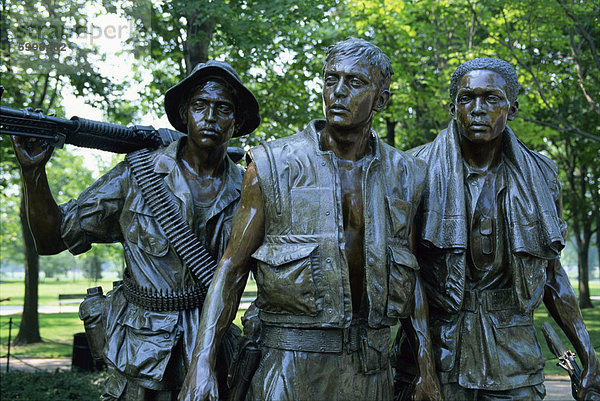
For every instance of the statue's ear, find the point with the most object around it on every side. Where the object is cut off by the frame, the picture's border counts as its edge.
(452, 109)
(239, 122)
(382, 100)
(183, 113)
(514, 109)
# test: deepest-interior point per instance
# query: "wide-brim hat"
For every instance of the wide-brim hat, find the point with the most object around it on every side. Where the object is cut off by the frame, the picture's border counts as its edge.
(246, 105)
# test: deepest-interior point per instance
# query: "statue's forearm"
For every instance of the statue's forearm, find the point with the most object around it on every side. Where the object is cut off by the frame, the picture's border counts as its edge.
(43, 213)
(417, 328)
(561, 302)
(219, 310)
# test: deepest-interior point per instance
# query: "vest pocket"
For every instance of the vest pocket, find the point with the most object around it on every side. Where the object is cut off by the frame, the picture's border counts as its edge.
(401, 285)
(285, 278)
(143, 230)
(399, 210)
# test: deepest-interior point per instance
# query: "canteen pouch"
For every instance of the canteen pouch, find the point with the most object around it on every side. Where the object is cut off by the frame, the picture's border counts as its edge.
(91, 311)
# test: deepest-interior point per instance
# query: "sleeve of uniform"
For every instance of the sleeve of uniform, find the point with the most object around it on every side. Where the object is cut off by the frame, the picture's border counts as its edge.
(94, 216)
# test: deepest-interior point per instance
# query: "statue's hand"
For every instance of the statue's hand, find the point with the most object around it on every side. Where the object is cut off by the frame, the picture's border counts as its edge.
(427, 388)
(200, 384)
(590, 386)
(31, 152)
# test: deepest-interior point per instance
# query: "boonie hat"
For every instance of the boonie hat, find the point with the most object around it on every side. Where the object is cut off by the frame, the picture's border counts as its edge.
(246, 104)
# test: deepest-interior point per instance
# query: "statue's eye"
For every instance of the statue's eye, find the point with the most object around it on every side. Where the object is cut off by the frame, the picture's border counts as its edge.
(493, 99)
(199, 104)
(225, 108)
(356, 83)
(464, 99)
(330, 80)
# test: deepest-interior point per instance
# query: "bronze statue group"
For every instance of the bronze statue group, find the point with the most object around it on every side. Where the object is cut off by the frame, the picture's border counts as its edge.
(458, 241)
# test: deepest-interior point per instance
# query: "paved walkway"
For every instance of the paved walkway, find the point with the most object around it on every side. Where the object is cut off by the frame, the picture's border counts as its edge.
(6, 310)
(558, 388)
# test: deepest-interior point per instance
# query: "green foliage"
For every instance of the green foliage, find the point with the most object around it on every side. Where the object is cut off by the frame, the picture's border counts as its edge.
(68, 176)
(276, 47)
(51, 386)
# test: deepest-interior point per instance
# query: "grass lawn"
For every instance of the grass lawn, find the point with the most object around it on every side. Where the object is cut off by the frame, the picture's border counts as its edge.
(48, 290)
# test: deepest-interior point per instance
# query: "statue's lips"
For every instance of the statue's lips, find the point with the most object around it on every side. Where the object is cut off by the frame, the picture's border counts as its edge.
(477, 126)
(209, 132)
(338, 109)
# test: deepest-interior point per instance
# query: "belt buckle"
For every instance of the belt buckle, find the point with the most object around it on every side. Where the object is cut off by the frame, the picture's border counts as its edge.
(346, 339)
(482, 300)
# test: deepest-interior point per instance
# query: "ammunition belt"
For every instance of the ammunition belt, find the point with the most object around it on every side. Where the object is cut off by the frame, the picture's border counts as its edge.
(178, 232)
(162, 300)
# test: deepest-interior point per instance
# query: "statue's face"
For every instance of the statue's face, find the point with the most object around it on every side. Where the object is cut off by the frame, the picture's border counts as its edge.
(210, 115)
(350, 92)
(481, 108)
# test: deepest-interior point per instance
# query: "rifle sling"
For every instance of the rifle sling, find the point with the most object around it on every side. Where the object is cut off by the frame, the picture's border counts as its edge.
(178, 232)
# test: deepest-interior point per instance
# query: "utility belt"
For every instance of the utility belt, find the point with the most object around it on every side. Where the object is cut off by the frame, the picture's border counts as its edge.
(162, 301)
(490, 300)
(372, 344)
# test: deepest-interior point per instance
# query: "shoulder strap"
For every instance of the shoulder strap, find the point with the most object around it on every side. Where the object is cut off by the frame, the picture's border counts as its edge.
(178, 232)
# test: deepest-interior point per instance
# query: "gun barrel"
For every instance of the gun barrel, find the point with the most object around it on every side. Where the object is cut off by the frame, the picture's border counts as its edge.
(111, 137)
(554, 343)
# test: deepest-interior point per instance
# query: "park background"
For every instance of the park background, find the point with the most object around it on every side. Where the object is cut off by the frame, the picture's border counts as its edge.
(113, 61)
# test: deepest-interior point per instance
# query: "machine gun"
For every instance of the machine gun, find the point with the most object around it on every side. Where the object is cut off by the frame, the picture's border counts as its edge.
(566, 358)
(88, 133)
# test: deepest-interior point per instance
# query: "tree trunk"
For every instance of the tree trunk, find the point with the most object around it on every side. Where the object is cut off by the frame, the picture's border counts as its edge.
(199, 35)
(597, 213)
(583, 269)
(29, 331)
(390, 135)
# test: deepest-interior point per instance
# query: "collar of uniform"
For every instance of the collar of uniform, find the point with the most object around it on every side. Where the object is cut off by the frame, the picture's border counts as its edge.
(166, 158)
(230, 190)
(166, 163)
(316, 126)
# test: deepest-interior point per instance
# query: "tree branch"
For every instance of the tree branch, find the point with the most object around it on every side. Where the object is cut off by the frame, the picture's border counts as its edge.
(565, 125)
(589, 99)
(586, 35)
(564, 128)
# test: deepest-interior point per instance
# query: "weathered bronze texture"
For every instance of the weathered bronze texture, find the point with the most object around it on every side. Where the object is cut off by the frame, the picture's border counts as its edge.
(151, 321)
(489, 244)
(326, 216)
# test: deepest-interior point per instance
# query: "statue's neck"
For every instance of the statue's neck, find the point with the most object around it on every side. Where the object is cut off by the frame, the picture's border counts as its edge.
(482, 155)
(351, 144)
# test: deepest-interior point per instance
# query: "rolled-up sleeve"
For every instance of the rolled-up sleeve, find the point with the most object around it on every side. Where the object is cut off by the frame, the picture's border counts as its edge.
(94, 216)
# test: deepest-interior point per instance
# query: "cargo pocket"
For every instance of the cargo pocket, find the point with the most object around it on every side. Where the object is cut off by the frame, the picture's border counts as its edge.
(516, 341)
(144, 232)
(150, 338)
(401, 285)
(285, 278)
